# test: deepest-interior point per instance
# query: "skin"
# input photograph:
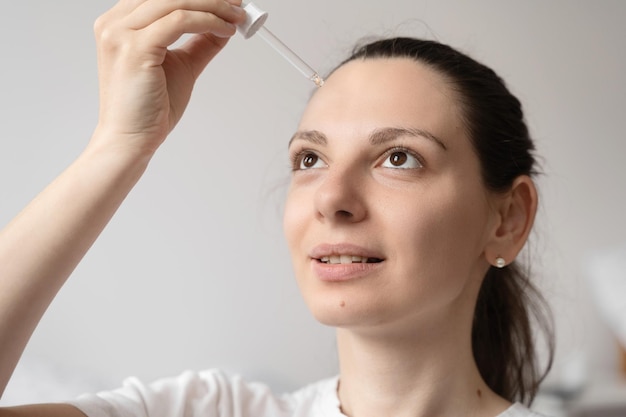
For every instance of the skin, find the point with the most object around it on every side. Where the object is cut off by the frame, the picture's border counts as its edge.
(430, 216)
(383, 168)
(415, 304)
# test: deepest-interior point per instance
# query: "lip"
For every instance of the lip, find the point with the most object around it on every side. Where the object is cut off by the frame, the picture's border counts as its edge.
(328, 249)
(342, 272)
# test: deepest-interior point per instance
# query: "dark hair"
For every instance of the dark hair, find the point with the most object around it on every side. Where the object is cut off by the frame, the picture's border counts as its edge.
(502, 333)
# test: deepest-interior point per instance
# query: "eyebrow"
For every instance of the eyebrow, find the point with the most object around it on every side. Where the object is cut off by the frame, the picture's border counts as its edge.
(377, 137)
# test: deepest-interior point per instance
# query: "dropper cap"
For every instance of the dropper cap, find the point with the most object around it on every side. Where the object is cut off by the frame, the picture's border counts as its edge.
(255, 19)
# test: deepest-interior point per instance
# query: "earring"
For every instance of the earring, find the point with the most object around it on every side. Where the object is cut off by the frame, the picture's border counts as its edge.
(500, 262)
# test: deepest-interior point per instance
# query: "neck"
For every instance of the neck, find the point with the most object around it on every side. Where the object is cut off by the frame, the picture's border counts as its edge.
(430, 374)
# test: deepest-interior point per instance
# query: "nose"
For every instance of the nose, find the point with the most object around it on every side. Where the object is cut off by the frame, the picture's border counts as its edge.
(340, 197)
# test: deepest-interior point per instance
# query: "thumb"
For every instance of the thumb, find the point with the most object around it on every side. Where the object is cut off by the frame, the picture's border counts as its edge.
(199, 50)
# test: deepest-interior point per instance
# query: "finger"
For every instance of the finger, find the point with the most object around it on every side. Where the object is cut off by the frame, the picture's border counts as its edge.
(199, 50)
(151, 11)
(130, 5)
(170, 28)
(120, 9)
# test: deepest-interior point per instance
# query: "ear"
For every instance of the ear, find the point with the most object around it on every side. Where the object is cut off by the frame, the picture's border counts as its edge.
(516, 211)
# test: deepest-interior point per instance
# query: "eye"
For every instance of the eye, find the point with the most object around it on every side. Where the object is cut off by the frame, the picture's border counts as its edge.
(402, 159)
(307, 160)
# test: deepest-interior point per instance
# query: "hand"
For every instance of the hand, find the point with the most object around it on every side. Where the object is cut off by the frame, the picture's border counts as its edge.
(144, 86)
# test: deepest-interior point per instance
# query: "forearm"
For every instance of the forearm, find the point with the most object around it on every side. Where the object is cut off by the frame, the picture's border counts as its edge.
(41, 247)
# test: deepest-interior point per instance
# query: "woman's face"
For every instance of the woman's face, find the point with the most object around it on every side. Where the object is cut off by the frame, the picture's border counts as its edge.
(386, 217)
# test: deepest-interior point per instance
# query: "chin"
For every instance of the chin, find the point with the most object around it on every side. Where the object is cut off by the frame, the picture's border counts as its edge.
(343, 312)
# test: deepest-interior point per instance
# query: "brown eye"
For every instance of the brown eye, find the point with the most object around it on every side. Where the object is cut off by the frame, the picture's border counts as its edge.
(398, 158)
(309, 160)
(402, 159)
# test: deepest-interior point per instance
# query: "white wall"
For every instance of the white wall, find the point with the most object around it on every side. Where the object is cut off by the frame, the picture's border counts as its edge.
(193, 271)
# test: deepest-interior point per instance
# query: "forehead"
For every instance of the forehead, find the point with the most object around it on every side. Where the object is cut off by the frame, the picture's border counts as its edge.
(365, 94)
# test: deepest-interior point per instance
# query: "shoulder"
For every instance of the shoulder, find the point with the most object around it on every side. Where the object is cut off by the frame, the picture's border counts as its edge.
(207, 393)
(318, 399)
(518, 410)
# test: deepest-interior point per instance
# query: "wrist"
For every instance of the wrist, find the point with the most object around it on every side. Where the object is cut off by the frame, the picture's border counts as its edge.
(126, 148)
(114, 159)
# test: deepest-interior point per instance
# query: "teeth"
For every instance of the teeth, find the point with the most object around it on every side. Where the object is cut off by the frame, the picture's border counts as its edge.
(358, 259)
(343, 259)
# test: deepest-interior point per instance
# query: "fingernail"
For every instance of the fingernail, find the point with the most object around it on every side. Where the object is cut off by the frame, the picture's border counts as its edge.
(238, 10)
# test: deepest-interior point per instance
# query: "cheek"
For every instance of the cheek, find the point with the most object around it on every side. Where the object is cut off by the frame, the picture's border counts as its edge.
(437, 248)
(294, 218)
(441, 231)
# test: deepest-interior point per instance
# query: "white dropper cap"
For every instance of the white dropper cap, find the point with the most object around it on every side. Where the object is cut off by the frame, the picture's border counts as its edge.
(255, 18)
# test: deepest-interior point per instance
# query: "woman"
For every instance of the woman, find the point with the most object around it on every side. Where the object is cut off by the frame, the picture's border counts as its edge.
(410, 199)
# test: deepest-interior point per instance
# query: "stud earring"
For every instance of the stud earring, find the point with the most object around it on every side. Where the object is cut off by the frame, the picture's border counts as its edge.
(500, 262)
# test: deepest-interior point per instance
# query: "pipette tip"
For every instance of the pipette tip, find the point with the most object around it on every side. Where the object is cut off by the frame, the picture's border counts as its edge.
(319, 81)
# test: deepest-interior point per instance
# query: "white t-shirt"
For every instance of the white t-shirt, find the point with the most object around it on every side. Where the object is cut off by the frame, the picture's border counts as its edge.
(213, 393)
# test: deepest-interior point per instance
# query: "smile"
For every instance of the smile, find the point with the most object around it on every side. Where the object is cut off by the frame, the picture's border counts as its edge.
(348, 259)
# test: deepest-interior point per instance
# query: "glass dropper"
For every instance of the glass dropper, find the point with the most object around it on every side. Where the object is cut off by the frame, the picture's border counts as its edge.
(290, 56)
(255, 20)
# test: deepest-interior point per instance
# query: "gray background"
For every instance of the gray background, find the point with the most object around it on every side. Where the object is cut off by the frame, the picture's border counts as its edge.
(193, 271)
